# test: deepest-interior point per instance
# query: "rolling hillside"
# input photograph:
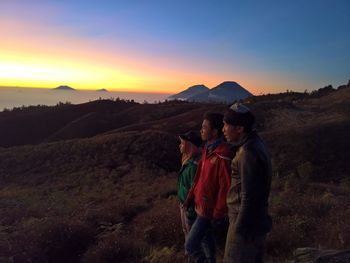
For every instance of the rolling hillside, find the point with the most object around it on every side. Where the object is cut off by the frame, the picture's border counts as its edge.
(96, 182)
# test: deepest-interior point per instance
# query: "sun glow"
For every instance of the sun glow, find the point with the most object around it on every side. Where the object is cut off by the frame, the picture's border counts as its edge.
(29, 71)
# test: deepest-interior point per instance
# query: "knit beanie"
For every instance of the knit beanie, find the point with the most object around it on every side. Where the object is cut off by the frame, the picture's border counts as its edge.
(240, 115)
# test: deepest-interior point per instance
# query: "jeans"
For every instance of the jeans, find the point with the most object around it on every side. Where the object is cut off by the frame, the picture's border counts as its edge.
(200, 242)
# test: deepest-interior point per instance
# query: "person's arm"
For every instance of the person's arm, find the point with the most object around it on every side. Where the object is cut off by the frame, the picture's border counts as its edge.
(190, 196)
(224, 181)
(189, 178)
(249, 167)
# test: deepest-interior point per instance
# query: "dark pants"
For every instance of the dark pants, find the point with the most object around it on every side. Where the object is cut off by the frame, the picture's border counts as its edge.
(243, 249)
(200, 243)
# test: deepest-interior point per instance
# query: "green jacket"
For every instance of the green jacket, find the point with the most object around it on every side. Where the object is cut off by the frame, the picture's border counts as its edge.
(185, 181)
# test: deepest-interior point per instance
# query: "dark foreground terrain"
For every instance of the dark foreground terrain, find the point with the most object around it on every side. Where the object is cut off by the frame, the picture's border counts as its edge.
(96, 182)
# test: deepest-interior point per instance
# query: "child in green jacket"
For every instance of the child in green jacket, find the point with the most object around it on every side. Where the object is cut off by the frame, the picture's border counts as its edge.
(190, 144)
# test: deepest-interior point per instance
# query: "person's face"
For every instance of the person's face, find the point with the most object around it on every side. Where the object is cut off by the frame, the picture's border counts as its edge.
(207, 133)
(183, 146)
(232, 133)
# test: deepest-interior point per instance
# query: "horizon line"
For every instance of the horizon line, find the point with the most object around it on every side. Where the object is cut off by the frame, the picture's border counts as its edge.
(79, 89)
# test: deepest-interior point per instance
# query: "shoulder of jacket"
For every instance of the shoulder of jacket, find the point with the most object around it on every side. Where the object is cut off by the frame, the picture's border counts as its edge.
(253, 144)
(222, 156)
(193, 161)
(250, 149)
(223, 147)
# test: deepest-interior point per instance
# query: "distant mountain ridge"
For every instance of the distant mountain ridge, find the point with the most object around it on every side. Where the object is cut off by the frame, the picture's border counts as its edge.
(226, 92)
(69, 121)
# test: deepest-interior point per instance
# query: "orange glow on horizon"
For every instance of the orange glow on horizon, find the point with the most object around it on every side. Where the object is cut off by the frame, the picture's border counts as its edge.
(44, 72)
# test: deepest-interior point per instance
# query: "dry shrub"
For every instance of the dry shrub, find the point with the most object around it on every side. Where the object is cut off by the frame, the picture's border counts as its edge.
(160, 225)
(50, 240)
(165, 255)
(335, 230)
(113, 212)
(305, 170)
(116, 249)
(314, 217)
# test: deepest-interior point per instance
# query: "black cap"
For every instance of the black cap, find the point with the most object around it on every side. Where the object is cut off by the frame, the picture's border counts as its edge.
(192, 137)
(240, 115)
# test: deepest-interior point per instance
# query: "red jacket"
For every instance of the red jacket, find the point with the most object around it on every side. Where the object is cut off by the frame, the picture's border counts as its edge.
(212, 182)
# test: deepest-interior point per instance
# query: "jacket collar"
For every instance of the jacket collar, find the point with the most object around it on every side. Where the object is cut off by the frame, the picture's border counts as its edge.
(211, 147)
(194, 159)
(245, 139)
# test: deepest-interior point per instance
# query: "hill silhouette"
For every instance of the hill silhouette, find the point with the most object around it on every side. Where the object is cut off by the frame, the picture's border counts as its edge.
(35, 124)
(96, 181)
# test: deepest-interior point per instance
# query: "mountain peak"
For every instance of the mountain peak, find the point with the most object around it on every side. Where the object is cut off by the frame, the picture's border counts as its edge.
(63, 87)
(189, 92)
(228, 84)
(198, 87)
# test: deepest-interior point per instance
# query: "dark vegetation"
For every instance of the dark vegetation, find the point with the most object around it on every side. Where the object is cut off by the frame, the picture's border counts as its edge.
(96, 182)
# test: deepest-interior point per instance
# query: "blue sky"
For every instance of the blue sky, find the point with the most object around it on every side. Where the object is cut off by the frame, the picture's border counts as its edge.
(267, 46)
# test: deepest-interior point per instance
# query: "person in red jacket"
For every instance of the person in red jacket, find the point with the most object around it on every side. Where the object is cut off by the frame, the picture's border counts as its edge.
(209, 190)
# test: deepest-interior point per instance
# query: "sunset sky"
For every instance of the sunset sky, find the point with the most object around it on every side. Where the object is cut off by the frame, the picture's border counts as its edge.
(166, 46)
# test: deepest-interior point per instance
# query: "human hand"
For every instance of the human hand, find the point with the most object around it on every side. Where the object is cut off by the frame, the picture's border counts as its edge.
(218, 222)
(188, 203)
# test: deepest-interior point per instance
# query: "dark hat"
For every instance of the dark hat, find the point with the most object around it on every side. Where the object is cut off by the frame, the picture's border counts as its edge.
(239, 115)
(192, 137)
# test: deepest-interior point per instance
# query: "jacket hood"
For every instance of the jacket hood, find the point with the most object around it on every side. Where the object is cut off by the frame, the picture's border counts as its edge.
(223, 150)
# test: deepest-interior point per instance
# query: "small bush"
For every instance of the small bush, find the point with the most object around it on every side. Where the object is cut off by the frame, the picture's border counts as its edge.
(114, 249)
(164, 255)
(51, 240)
